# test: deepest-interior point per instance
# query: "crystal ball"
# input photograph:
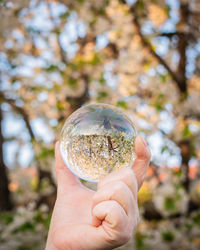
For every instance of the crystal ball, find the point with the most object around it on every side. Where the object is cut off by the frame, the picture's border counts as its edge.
(96, 140)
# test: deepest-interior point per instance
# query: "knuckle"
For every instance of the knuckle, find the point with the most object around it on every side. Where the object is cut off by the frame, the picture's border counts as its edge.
(112, 238)
(118, 239)
(121, 237)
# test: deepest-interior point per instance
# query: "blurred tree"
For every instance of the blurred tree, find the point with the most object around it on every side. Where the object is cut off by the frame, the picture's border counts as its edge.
(5, 203)
(142, 56)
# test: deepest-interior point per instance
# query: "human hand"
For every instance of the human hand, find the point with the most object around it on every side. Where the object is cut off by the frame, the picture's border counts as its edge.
(87, 220)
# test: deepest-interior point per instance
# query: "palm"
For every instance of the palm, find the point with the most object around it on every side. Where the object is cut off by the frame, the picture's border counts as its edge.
(72, 217)
(77, 205)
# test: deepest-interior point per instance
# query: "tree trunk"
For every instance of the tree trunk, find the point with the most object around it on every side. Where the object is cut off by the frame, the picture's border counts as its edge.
(185, 154)
(5, 201)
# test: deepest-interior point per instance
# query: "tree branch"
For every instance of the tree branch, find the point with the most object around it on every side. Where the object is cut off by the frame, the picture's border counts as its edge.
(21, 111)
(192, 115)
(168, 34)
(77, 102)
(179, 83)
(62, 52)
(187, 35)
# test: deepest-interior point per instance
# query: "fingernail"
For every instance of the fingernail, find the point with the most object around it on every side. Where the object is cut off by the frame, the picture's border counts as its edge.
(143, 141)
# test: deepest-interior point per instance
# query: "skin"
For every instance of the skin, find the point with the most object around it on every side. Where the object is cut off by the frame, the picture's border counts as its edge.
(87, 220)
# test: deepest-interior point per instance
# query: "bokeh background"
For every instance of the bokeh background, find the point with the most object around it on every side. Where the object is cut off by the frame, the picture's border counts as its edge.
(142, 56)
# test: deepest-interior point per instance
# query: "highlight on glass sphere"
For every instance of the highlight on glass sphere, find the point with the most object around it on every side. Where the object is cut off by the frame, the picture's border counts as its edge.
(96, 140)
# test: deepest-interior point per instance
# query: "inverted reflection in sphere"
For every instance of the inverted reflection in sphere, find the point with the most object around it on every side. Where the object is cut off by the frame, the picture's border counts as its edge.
(96, 140)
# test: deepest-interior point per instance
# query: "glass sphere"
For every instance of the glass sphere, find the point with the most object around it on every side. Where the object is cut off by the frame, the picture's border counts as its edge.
(96, 140)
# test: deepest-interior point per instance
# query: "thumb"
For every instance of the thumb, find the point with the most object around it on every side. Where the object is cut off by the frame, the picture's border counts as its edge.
(65, 178)
(142, 160)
